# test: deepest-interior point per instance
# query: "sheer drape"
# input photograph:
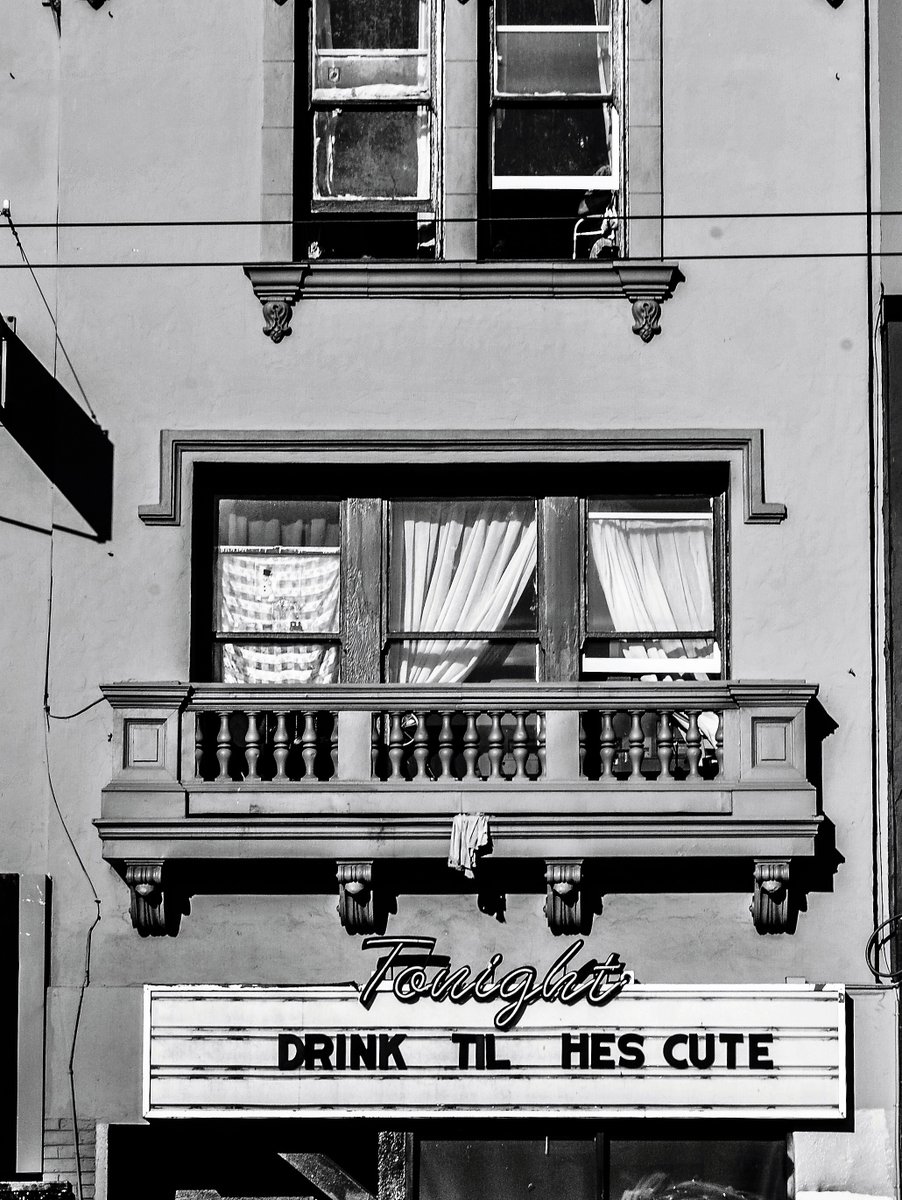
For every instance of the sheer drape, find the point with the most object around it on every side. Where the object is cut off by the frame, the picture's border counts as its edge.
(656, 576)
(287, 581)
(463, 568)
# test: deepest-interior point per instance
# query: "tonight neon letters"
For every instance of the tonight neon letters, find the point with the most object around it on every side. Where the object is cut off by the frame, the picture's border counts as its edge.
(427, 976)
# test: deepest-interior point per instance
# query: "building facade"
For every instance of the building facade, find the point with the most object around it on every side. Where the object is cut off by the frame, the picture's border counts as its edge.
(445, 728)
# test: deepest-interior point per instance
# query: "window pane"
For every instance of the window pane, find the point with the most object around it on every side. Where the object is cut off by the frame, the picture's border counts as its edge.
(278, 567)
(650, 565)
(551, 141)
(463, 565)
(358, 76)
(508, 1170)
(530, 63)
(269, 662)
(686, 1170)
(619, 657)
(553, 12)
(465, 660)
(371, 24)
(371, 153)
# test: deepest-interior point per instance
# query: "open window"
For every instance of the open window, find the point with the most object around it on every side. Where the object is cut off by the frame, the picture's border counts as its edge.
(553, 129)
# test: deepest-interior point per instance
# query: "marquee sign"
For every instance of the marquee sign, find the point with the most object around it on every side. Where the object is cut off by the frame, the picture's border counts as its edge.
(408, 1045)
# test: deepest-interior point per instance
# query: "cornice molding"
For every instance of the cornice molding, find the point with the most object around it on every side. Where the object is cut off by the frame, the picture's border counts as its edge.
(181, 448)
(644, 283)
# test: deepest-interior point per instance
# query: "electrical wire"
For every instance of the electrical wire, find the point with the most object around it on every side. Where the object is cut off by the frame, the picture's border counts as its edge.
(876, 946)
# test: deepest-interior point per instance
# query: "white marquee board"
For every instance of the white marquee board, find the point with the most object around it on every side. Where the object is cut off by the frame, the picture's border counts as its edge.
(778, 1052)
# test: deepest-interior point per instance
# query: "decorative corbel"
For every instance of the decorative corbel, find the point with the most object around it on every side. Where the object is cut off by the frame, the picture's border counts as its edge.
(148, 900)
(356, 908)
(278, 289)
(564, 895)
(770, 906)
(646, 285)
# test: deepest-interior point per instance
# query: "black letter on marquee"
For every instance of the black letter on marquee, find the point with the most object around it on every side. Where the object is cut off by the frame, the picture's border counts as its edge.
(602, 1044)
(464, 1041)
(287, 1043)
(675, 1039)
(759, 1059)
(491, 1062)
(631, 1051)
(732, 1041)
(317, 1049)
(390, 1048)
(571, 1045)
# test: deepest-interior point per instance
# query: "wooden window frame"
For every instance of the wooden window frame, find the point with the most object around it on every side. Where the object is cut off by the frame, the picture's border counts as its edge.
(364, 627)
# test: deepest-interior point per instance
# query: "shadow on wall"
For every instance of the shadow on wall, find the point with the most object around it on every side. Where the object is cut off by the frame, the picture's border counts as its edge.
(63, 441)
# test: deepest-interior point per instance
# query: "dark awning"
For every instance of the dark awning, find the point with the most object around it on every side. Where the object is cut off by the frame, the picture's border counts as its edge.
(56, 433)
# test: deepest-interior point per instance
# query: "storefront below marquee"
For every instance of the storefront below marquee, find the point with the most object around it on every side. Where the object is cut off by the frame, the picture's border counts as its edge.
(450, 1160)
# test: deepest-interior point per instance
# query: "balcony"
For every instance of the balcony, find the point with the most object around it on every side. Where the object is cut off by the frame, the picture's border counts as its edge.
(365, 774)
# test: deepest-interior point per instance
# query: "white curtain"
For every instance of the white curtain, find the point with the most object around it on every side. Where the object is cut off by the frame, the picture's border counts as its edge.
(656, 576)
(463, 567)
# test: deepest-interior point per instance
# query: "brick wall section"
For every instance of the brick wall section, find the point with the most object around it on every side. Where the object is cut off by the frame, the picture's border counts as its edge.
(59, 1154)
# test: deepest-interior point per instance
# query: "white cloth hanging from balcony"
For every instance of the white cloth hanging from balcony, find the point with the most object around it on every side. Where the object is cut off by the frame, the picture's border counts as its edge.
(469, 835)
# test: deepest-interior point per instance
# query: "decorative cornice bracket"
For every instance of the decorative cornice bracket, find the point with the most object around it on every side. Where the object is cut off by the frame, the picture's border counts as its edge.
(148, 898)
(356, 902)
(564, 908)
(770, 907)
(278, 288)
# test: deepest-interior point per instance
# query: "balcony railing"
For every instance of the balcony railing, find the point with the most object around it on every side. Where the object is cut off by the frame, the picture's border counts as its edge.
(355, 773)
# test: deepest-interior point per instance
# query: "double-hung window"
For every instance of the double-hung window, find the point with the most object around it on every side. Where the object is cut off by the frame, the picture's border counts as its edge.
(464, 589)
(372, 131)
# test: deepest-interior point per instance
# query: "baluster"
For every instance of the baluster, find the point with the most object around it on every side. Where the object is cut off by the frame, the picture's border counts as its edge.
(198, 745)
(582, 745)
(608, 741)
(446, 745)
(396, 745)
(718, 743)
(540, 742)
(520, 748)
(693, 746)
(637, 743)
(309, 744)
(471, 747)
(420, 746)
(333, 745)
(375, 730)
(280, 744)
(496, 745)
(252, 747)
(665, 746)
(224, 746)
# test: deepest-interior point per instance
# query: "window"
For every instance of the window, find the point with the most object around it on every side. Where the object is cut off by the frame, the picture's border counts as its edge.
(387, 155)
(389, 586)
(606, 1166)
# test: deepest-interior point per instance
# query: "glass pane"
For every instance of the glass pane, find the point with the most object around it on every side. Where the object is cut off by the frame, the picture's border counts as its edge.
(268, 662)
(361, 76)
(371, 153)
(620, 657)
(278, 567)
(466, 660)
(552, 141)
(553, 12)
(371, 24)
(734, 1170)
(508, 1170)
(650, 565)
(542, 64)
(463, 565)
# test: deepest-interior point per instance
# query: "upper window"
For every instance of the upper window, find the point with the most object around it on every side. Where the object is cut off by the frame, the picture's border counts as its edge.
(379, 158)
(459, 589)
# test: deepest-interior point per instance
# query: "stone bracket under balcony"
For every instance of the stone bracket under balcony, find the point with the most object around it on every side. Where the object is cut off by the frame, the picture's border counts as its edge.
(364, 776)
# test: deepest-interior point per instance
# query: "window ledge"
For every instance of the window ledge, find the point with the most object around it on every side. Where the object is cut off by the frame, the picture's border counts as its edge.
(644, 283)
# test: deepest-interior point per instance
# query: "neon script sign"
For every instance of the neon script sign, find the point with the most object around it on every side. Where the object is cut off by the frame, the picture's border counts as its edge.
(415, 972)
